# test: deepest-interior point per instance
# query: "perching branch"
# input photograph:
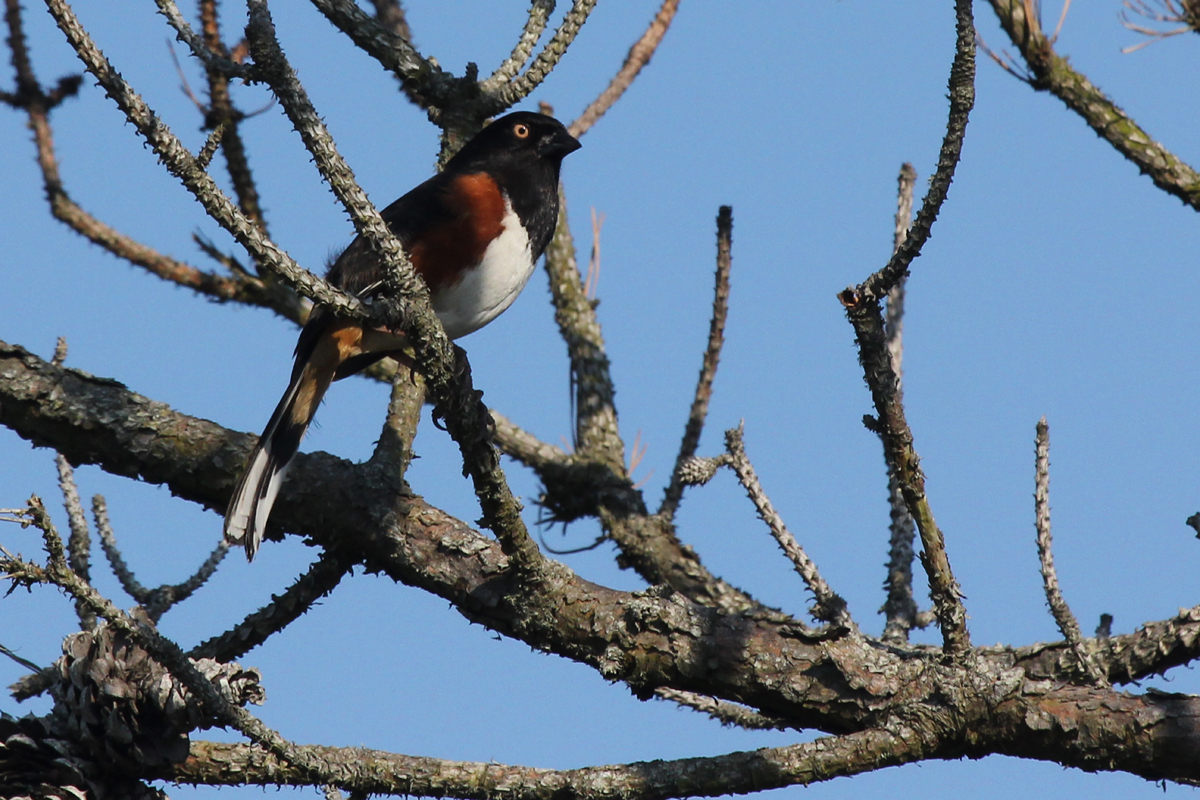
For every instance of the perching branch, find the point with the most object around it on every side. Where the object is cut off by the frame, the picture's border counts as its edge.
(446, 370)
(708, 367)
(1054, 598)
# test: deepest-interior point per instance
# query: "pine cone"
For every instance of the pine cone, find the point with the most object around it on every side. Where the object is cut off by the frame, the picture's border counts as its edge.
(123, 707)
(36, 764)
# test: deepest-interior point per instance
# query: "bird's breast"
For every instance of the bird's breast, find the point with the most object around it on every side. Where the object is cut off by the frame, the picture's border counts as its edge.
(483, 291)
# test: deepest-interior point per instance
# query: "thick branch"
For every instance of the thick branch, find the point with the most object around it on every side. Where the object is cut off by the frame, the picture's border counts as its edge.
(379, 772)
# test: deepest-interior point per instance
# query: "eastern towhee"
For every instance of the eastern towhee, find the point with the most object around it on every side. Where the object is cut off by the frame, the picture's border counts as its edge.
(473, 232)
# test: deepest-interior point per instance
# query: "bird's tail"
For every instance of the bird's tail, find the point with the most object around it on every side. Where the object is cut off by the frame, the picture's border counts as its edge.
(250, 506)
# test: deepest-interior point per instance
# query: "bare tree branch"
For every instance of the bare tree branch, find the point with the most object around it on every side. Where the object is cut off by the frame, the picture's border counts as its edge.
(1052, 73)
(829, 606)
(962, 98)
(724, 712)
(862, 309)
(1054, 598)
(321, 579)
(378, 772)
(425, 83)
(708, 368)
(535, 24)
(213, 59)
(79, 543)
(165, 651)
(519, 88)
(638, 57)
(180, 163)
(223, 116)
(900, 609)
(390, 14)
(108, 542)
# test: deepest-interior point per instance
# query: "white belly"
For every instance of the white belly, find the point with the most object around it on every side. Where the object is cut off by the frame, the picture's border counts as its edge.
(486, 291)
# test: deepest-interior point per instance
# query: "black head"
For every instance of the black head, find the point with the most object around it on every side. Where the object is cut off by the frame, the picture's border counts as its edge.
(522, 152)
(523, 137)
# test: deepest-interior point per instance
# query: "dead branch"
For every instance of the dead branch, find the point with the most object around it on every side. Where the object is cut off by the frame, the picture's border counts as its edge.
(638, 57)
(1054, 598)
(900, 609)
(708, 367)
(829, 606)
(1052, 73)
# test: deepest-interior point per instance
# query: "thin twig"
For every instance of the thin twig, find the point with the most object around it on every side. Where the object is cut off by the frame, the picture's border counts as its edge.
(1058, 605)
(222, 116)
(24, 662)
(535, 25)
(163, 598)
(79, 543)
(182, 164)
(708, 365)
(213, 60)
(320, 579)
(638, 57)
(108, 542)
(962, 98)
(900, 608)
(519, 88)
(725, 712)
(829, 606)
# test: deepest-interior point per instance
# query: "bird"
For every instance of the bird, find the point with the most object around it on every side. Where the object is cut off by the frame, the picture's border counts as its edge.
(473, 232)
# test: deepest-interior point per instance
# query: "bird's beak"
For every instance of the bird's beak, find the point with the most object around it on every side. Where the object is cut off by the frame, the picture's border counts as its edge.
(558, 145)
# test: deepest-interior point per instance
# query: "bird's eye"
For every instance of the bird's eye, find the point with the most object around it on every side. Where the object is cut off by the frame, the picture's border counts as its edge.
(521, 130)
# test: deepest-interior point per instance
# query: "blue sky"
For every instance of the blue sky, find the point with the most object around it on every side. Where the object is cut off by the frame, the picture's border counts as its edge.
(1058, 281)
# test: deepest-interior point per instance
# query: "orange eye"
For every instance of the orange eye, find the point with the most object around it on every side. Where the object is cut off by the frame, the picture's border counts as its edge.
(522, 131)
